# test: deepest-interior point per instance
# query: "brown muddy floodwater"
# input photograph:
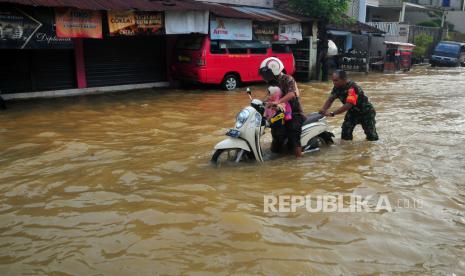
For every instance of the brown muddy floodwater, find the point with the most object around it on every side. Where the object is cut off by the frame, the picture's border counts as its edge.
(121, 185)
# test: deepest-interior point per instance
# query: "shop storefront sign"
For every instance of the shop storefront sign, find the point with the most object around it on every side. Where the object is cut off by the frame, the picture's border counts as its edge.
(130, 23)
(265, 31)
(30, 29)
(78, 23)
(290, 32)
(230, 29)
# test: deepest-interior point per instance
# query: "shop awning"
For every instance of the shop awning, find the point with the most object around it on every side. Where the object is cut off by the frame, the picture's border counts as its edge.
(117, 5)
(339, 33)
(257, 14)
(355, 28)
(261, 14)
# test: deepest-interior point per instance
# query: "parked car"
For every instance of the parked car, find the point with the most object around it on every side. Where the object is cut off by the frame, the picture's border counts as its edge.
(448, 53)
(226, 62)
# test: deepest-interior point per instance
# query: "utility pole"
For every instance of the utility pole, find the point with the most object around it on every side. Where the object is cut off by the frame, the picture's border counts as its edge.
(402, 12)
(443, 25)
(367, 68)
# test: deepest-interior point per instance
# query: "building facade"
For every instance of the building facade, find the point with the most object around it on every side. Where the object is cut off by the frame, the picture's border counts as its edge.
(89, 46)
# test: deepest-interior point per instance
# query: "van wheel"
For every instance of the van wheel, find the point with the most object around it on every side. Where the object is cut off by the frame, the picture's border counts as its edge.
(230, 82)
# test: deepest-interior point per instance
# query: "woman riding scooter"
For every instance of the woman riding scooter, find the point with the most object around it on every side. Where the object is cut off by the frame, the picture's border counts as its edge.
(271, 70)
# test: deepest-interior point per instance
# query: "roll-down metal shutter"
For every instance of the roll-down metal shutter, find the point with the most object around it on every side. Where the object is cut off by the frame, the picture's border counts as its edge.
(53, 70)
(128, 60)
(36, 70)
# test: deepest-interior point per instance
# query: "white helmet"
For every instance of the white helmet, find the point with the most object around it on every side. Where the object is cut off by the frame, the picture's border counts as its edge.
(270, 68)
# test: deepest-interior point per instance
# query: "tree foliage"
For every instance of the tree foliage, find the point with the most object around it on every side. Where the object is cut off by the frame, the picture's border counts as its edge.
(422, 43)
(327, 10)
(436, 23)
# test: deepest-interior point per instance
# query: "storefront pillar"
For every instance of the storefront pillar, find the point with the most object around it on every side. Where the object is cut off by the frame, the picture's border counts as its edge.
(170, 46)
(80, 64)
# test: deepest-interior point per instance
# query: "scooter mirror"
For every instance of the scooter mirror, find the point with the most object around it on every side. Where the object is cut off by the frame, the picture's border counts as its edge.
(249, 92)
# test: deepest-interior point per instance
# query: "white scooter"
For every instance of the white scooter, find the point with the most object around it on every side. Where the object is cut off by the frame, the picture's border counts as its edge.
(243, 143)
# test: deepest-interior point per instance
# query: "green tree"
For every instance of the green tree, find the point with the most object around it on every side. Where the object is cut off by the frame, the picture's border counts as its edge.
(422, 44)
(327, 10)
(436, 23)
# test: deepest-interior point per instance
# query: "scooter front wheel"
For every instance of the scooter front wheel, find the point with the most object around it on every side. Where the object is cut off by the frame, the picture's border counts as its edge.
(228, 156)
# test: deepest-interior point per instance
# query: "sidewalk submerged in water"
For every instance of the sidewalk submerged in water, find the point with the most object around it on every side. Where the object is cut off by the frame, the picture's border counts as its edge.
(81, 91)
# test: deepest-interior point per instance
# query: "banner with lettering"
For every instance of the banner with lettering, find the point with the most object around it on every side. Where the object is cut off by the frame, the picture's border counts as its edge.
(130, 23)
(265, 31)
(78, 23)
(230, 29)
(30, 28)
(290, 32)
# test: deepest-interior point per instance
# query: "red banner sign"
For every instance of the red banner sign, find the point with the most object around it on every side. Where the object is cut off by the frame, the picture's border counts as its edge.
(78, 23)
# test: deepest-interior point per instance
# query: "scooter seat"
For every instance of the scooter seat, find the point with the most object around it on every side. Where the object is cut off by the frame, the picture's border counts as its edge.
(313, 118)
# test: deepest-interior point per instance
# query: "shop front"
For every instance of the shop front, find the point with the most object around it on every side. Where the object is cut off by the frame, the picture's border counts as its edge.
(92, 45)
(33, 57)
(48, 49)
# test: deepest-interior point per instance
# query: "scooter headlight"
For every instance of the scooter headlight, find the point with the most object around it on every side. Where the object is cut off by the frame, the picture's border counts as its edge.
(242, 118)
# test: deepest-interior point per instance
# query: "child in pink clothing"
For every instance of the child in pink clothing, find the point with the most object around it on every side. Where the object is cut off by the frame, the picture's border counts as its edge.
(277, 116)
(274, 94)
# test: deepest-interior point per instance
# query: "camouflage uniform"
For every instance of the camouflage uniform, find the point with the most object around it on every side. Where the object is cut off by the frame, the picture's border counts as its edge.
(362, 111)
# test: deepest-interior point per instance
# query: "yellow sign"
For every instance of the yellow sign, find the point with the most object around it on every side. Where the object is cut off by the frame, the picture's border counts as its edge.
(129, 23)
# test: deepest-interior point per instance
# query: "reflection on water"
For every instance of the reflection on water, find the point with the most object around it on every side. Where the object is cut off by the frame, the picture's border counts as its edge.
(117, 184)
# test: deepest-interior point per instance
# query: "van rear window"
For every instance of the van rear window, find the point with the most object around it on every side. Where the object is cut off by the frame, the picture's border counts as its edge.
(189, 42)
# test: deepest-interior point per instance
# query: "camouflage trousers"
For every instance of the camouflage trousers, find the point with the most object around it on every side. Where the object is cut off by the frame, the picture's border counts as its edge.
(366, 119)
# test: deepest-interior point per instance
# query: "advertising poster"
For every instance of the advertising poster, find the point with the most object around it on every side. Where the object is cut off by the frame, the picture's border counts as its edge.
(78, 23)
(30, 28)
(230, 29)
(131, 23)
(290, 32)
(265, 31)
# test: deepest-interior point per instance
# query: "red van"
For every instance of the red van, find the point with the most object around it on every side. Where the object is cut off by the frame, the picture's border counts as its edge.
(225, 62)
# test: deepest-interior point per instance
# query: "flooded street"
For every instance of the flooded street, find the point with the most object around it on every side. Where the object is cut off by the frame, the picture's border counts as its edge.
(121, 184)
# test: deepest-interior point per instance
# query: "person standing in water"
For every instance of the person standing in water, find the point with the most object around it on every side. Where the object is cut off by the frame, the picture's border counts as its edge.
(355, 103)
